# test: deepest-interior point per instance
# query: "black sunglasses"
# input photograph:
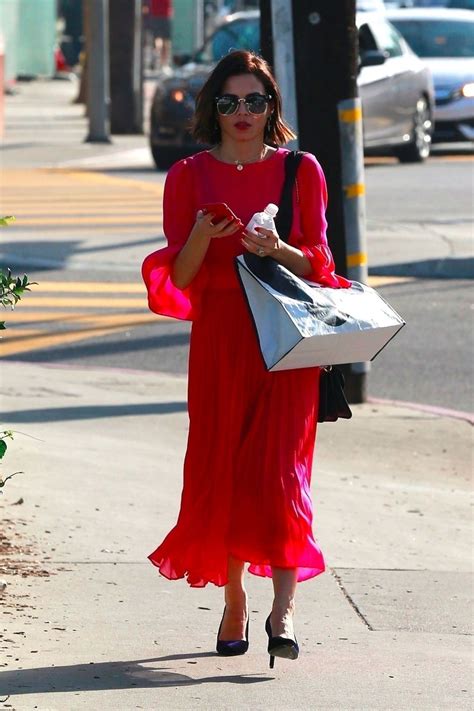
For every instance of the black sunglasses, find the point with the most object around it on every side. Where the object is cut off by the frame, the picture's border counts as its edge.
(228, 104)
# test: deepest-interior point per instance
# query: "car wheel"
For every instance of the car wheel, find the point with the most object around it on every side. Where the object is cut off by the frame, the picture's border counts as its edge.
(164, 156)
(418, 148)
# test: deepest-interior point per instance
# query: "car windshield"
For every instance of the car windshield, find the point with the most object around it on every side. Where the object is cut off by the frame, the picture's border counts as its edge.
(438, 38)
(241, 34)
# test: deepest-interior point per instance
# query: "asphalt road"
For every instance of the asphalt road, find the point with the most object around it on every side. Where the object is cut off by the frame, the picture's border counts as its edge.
(429, 362)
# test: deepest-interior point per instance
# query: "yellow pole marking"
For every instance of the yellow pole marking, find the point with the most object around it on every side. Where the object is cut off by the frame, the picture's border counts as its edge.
(354, 190)
(356, 260)
(350, 115)
(81, 302)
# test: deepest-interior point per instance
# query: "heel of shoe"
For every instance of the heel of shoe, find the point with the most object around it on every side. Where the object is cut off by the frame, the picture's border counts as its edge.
(280, 646)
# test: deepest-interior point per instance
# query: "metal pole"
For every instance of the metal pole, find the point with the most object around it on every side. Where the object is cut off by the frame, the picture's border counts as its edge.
(353, 188)
(138, 66)
(284, 61)
(98, 72)
(198, 23)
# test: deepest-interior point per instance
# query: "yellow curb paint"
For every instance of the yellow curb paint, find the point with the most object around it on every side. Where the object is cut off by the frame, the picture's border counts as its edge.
(85, 206)
(379, 160)
(37, 341)
(116, 219)
(81, 302)
(70, 317)
(29, 339)
(377, 281)
(117, 287)
(59, 177)
(356, 260)
(350, 115)
(101, 179)
(354, 190)
(20, 316)
(86, 213)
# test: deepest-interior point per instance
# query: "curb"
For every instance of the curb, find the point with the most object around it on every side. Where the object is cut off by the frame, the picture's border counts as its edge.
(431, 409)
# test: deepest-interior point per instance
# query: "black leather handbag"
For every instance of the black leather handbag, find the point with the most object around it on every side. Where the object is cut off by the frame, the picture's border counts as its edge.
(332, 400)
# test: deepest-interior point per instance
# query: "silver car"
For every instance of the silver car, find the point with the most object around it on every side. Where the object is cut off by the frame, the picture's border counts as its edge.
(444, 39)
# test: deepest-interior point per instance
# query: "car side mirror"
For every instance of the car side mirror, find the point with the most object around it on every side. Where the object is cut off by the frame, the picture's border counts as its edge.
(372, 58)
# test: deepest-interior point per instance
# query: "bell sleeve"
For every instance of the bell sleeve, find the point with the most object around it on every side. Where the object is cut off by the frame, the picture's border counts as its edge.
(313, 197)
(179, 214)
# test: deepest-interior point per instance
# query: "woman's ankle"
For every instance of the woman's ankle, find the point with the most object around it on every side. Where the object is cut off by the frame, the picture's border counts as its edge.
(283, 608)
(235, 597)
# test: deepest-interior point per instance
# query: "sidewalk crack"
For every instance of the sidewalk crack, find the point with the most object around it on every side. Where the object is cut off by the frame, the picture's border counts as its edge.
(350, 600)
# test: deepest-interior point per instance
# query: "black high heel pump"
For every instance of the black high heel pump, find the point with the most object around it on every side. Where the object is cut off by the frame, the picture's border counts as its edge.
(280, 646)
(232, 648)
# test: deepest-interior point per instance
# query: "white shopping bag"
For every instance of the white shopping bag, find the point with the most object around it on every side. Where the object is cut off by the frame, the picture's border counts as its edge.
(301, 325)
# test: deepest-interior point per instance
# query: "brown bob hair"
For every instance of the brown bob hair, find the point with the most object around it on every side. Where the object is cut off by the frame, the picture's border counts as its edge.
(205, 127)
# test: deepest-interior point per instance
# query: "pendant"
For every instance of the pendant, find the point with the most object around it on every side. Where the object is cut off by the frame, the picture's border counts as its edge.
(240, 166)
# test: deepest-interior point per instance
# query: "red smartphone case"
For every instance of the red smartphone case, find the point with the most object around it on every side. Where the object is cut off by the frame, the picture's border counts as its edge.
(221, 211)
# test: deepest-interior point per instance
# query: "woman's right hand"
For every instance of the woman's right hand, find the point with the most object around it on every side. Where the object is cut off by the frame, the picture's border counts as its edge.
(191, 256)
(204, 227)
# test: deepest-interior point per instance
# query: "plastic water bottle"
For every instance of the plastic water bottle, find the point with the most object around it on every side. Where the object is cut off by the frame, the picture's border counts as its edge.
(263, 219)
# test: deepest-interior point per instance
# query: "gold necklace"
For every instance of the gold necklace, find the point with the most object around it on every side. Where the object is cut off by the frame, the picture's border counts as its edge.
(239, 164)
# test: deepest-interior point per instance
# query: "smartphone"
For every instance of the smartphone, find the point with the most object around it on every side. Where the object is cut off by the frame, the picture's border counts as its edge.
(221, 211)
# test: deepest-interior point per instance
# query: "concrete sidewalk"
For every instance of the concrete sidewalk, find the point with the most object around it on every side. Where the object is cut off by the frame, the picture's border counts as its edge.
(88, 622)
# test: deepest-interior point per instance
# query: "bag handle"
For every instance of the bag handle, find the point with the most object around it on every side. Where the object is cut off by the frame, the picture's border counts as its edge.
(284, 218)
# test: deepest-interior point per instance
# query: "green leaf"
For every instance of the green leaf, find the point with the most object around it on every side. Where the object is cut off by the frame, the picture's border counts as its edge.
(3, 448)
(4, 221)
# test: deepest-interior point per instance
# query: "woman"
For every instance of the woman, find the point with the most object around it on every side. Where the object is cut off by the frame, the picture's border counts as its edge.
(246, 494)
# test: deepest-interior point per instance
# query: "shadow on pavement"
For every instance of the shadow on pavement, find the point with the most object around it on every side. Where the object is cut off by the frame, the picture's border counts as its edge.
(111, 675)
(47, 254)
(93, 412)
(447, 268)
(103, 348)
(38, 254)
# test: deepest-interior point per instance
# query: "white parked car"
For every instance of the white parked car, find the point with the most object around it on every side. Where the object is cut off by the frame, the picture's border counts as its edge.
(444, 39)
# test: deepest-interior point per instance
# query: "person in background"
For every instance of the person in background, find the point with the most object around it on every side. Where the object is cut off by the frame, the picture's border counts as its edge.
(158, 18)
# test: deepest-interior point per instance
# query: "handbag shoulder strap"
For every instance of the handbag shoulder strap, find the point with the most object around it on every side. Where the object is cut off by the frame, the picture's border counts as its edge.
(284, 218)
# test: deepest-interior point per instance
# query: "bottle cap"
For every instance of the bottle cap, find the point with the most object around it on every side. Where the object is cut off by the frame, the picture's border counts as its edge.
(271, 209)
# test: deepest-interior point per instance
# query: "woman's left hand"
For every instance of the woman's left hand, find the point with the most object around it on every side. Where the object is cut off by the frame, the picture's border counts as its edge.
(265, 245)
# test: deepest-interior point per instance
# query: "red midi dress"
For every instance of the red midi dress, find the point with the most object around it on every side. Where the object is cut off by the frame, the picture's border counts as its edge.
(247, 469)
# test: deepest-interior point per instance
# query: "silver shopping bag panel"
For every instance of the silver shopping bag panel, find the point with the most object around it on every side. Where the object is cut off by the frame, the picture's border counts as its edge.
(300, 324)
(276, 333)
